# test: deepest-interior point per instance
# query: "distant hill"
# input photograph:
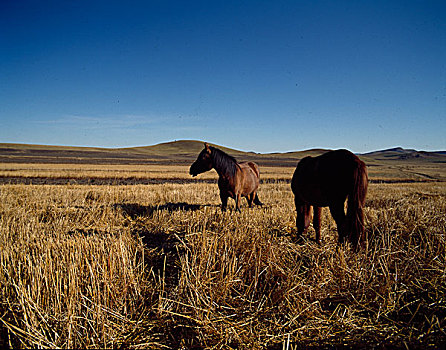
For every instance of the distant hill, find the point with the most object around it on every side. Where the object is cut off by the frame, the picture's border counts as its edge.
(389, 165)
(175, 152)
(399, 153)
(185, 151)
(181, 148)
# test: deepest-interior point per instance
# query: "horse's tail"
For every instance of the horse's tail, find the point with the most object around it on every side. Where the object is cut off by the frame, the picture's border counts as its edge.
(256, 170)
(356, 200)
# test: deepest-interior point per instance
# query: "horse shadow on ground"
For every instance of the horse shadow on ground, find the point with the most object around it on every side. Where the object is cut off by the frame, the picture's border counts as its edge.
(164, 250)
(135, 210)
(166, 245)
(154, 239)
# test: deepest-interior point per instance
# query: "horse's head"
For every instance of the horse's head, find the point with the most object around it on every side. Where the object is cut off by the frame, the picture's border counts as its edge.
(203, 162)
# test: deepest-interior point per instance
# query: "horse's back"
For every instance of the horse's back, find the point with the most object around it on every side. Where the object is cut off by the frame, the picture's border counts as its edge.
(250, 167)
(319, 180)
(338, 166)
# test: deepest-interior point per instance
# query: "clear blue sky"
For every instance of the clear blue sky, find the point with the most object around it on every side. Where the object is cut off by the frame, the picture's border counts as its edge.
(253, 75)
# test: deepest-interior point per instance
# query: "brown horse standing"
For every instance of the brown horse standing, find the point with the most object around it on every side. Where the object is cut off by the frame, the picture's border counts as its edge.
(235, 179)
(328, 180)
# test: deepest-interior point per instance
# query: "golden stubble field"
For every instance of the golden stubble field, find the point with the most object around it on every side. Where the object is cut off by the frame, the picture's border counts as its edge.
(160, 266)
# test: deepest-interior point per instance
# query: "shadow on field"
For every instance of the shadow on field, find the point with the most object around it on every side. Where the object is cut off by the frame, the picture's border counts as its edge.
(4, 336)
(166, 248)
(135, 210)
(164, 251)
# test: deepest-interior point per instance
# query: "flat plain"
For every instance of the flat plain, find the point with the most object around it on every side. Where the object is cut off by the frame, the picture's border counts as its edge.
(122, 248)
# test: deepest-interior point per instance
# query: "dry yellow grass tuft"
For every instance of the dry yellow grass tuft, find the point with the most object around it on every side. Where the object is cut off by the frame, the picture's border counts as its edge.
(160, 266)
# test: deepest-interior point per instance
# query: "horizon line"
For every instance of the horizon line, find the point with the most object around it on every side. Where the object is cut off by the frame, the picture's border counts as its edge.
(218, 145)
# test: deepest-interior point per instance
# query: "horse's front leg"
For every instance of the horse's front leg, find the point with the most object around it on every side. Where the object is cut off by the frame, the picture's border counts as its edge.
(337, 211)
(224, 200)
(302, 217)
(237, 202)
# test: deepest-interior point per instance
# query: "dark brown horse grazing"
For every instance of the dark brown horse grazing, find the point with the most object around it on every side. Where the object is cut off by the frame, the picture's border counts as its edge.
(235, 179)
(328, 180)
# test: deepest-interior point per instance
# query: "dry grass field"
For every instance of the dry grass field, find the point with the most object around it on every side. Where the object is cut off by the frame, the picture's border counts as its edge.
(123, 249)
(160, 266)
(117, 174)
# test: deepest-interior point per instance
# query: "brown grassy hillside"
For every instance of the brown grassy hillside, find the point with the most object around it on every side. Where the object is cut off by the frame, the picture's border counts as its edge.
(177, 152)
(387, 166)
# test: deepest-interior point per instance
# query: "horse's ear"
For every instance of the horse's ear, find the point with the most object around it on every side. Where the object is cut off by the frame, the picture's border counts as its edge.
(206, 146)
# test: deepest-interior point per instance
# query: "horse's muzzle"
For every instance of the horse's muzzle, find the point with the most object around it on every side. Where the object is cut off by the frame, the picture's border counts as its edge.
(192, 170)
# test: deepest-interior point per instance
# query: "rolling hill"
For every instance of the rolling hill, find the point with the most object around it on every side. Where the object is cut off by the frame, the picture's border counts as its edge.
(395, 164)
(181, 152)
(175, 152)
(399, 153)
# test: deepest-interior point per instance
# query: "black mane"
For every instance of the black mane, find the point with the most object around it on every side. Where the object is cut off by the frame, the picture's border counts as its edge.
(223, 162)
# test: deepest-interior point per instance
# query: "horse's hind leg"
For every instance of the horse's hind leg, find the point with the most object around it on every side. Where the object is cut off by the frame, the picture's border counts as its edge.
(302, 218)
(337, 211)
(317, 223)
(253, 199)
(250, 199)
(257, 200)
